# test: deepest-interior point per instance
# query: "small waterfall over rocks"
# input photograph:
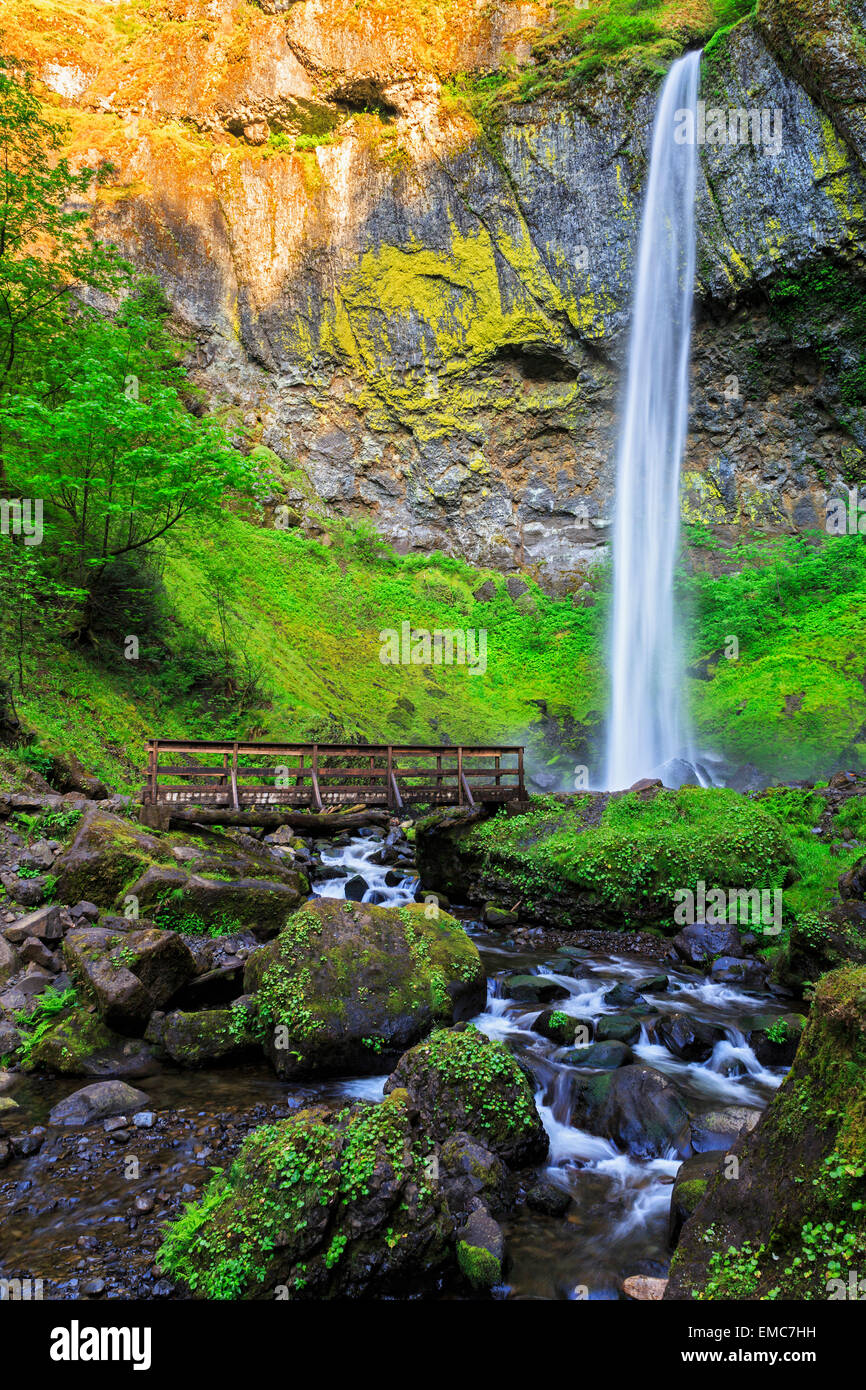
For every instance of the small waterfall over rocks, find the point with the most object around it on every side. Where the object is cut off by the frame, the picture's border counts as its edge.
(647, 727)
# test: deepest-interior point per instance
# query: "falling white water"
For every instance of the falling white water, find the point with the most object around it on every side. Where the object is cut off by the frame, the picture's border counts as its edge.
(646, 726)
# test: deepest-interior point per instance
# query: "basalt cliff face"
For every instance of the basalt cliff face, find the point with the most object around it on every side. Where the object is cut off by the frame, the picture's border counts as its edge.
(427, 312)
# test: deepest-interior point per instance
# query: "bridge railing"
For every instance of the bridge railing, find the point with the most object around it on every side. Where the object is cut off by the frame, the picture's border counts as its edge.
(240, 775)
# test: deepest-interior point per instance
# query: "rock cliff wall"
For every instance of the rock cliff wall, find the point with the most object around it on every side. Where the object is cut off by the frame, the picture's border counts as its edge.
(427, 311)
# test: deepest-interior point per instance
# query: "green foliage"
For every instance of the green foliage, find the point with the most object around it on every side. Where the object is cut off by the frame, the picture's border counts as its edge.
(57, 824)
(38, 759)
(480, 1266)
(288, 1204)
(95, 424)
(583, 42)
(105, 439)
(639, 852)
(47, 244)
(492, 1086)
(42, 1017)
(732, 1273)
(172, 914)
(793, 700)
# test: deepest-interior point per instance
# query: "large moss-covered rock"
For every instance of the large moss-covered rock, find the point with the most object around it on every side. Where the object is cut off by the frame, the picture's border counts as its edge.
(189, 883)
(210, 1036)
(129, 974)
(822, 941)
(345, 986)
(80, 1044)
(228, 894)
(598, 860)
(462, 1080)
(321, 1205)
(793, 1221)
(106, 854)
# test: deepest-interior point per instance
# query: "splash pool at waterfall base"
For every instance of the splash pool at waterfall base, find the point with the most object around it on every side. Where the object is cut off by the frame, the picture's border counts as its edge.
(72, 1215)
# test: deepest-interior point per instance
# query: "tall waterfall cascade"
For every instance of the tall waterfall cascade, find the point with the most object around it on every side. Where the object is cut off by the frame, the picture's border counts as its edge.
(647, 727)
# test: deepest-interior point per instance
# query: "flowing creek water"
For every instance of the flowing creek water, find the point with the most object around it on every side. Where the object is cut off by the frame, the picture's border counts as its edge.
(618, 1221)
(73, 1215)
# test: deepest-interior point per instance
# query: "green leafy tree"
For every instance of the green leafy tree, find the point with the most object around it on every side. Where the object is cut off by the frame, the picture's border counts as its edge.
(95, 421)
(47, 244)
(106, 439)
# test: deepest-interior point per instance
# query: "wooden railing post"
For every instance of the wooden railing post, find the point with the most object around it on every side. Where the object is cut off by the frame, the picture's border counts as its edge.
(390, 781)
(234, 774)
(152, 765)
(460, 775)
(520, 782)
(317, 795)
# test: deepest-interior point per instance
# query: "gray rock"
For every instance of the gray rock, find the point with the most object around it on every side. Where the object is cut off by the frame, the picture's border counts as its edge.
(84, 912)
(8, 961)
(701, 942)
(745, 974)
(10, 1038)
(97, 1102)
(45, 924)
(602, 1056)
(637, 1107)
(687, 1037)
(717, 1129)
(532, 989)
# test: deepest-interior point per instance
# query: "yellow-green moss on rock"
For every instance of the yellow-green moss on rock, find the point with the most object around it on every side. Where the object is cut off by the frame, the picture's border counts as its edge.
(346, 986)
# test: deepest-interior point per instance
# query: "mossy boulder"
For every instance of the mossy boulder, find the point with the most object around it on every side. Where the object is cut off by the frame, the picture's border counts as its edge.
(603, 1056)
(129, 974)
(184, 882)
(556, 1026)
(462, 1080)
(597, 859)
(107, 853)
(346, 987)
(822, 941)
(624, 1028)
(480, 1250)
(793, 1223)
(532, 989)
(224, 900)
(210, 1036)
(774, 1038)
(690, 1184)
(81, 1044)
(321, 1205)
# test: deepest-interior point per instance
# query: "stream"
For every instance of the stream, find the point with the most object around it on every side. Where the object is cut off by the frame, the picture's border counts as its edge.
(85, 1209)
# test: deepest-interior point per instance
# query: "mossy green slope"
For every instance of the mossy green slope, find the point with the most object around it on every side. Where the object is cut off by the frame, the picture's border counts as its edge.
(622, 858)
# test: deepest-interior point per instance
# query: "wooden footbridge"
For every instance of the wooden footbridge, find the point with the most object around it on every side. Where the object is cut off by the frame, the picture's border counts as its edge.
(230, 780)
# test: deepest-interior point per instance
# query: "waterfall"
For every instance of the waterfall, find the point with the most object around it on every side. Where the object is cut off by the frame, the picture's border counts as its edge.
(646, 723)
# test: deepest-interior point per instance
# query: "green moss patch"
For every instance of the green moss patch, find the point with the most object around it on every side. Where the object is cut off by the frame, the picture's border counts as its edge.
(624, 857)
